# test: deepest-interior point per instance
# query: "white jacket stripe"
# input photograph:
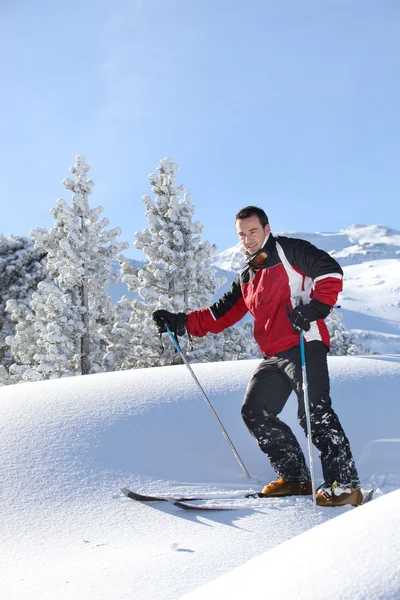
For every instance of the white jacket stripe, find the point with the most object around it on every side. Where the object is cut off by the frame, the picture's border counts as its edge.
(297, 294)
(335, 275)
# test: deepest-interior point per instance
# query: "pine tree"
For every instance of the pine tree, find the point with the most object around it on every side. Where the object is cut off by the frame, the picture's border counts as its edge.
(22, 267)
(175, 276)
(132, 342)
(71, 311)
(42, 342)
(234, 343)
(22, 344)
(343, 341)
(239, 343)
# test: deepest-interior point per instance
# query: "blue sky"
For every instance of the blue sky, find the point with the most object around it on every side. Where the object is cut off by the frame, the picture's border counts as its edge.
(290, 105)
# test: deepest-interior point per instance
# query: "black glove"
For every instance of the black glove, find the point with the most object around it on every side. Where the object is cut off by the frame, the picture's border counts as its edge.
(304, 314)
(175, 321)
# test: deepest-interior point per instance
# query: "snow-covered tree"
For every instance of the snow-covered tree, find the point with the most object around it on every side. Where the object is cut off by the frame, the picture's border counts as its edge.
(22, 267)
(239, 343)
(175, 276)
(40, 344)
(22, 344)
(120, 336)
(132, 340)
(343, 341)
(71, 312)
(233, 343)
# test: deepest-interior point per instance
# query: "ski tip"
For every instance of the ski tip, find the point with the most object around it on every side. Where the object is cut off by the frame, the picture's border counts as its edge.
(256, 495)
(367, 496)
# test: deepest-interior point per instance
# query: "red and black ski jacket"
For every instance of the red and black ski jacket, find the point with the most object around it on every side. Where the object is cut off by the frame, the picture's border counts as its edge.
(295, 271)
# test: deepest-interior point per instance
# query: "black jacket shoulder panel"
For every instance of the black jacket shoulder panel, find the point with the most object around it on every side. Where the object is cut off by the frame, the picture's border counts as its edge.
(229, 299)
(245, 275)
(312, 261)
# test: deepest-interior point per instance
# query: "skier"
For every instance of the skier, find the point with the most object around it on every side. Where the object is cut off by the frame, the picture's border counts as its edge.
(290, 287)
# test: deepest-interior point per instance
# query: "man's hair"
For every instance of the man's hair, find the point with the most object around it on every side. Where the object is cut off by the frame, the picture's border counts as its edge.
(252, 211)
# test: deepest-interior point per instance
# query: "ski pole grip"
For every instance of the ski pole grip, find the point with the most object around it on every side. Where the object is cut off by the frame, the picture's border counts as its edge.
(302, 351)
(171, 335)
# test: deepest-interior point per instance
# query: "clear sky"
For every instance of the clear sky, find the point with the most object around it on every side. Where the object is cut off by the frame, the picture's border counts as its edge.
(290, 105)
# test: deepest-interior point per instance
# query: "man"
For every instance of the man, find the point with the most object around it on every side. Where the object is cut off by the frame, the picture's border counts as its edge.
(290, 287)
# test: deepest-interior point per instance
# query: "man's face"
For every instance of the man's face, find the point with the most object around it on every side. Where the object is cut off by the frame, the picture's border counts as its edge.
(251, 233)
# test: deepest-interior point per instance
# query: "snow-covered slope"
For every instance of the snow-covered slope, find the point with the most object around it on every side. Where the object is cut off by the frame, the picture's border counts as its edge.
(370, 303)
(68, 445)
(342, 558)
(373, 288)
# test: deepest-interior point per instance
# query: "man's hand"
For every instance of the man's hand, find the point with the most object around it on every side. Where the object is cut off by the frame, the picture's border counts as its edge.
(304, 314)
(175, 321)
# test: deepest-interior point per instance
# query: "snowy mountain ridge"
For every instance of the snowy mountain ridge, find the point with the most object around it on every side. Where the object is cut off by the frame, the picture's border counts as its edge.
(353, 245)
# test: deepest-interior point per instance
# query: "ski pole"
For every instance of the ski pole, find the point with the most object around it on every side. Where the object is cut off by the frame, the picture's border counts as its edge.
(308, 418)
(224, 432)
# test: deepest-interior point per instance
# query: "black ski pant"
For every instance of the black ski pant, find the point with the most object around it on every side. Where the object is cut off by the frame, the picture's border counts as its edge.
(267, 393)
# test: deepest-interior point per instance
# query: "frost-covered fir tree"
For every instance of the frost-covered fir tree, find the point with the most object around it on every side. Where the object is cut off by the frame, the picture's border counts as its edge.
(132, 339)
(22, 345)
(120, 336)
(175, 276)
(239, 343)
(40, 344)
(72, 311)
(233, 343)
(343, 341)
(22, 267)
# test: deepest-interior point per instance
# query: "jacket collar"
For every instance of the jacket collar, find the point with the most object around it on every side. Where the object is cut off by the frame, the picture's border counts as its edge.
(259, 260)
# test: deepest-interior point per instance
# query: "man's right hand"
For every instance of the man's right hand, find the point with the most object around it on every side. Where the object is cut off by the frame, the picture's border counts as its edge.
(175, 321)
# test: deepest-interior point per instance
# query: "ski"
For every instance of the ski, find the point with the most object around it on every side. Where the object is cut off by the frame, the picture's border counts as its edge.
(367, 496)
(179, 502)
(183, 502)
(148, 498)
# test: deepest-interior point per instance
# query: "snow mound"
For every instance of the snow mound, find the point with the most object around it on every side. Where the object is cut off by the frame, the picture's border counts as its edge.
(352, 557)
(69, 445)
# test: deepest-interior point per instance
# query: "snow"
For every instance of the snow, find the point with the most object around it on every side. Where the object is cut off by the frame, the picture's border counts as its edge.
(69, 445)
(372, 289)
(353, 557)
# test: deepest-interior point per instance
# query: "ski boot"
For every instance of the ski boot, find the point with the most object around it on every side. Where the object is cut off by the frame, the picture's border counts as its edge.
(287, 488)
(339, 495)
